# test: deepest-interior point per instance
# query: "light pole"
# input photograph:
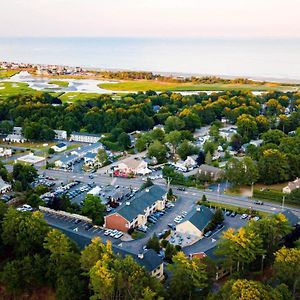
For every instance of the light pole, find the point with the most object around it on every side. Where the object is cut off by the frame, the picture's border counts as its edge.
(262, 262)
(283, 199)
(252, 189)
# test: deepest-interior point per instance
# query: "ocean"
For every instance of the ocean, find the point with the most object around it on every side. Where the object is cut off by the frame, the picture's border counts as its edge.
(275, 59)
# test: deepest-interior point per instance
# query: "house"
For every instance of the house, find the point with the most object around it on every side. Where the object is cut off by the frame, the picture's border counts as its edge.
(90, 158)
(228, 132)
(189, 164)
(60, 134)
(134, 212)
(210, 171)
(293, 185)
(66, 161)
(92, 148)
(84, 137)
(256, 143)
(17, 130)
(159, 126)
(5, 152)
(15, 138)
(131, 166)
(60, 147)
(195, 222)
(149, 259)
(291, 217)
(4, 187)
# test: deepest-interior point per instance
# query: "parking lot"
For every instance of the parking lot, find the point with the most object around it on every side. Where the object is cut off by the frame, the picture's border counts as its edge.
(80, 228)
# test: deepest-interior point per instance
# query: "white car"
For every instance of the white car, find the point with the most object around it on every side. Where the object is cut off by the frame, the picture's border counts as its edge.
(107, 232)
(256, 218)
(27, 207)
(113, 233)
(244, 216)
(118, 235)
(178, 219)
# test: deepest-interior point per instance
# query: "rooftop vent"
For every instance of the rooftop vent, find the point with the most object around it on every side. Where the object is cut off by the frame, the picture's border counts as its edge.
(198, 209)
(147, 190)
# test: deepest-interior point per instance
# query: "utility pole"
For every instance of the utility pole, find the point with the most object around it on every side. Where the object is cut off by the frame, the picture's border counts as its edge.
(283, 199)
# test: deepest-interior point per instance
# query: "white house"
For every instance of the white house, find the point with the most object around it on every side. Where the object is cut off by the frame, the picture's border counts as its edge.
(90, 158)
(15, 138)
(60, 147)
(188, 164)
(17, 130)
(133, 166)
(60, 134)
(84, 137)
(4, 187)
(194, 223)
(5, 152)
(293, 185)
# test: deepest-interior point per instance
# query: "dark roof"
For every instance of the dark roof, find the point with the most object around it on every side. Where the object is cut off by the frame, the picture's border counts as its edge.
(291, 217)
(90, 155)
(140, 202)
(150, 259)
(199, 217)
(61, 145)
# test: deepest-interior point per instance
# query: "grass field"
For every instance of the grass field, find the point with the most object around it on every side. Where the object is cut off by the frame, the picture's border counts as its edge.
(60, 83)
(8, 73)
(146, 85)
(14, 88)
(77, 96)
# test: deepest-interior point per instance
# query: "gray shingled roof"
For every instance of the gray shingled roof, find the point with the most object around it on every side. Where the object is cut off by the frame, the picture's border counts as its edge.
(291, 217)
(150, 260)
(140, 202)
(199, 217)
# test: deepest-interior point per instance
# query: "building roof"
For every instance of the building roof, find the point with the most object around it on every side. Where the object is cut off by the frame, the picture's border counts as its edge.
(131, 162)
(149, 259)
(60, 145)
(199, 217)
(3, 184)
(86, 134)
(90, 155)
(293, 185)
(210, 169)
(291, 217)
(68, 159)
(137, 204)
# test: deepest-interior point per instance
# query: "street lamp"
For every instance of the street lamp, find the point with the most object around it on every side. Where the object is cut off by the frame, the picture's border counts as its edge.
(283, 199)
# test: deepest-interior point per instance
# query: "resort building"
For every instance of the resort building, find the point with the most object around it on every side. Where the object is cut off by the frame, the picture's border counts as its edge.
(60, 134)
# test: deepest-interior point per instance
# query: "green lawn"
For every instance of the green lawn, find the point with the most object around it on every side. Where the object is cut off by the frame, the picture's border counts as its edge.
(8, 73)
(60, 83)
(14, 88)
(77, 96)
(144, 85)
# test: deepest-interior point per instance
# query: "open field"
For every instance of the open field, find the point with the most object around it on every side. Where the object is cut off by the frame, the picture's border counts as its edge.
(8, 73)
(60, 83)
(78, 96)
(145, 85)
(14, 88)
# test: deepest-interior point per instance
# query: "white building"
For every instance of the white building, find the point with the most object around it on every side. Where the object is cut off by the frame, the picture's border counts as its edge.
(4, 187)
(60, 147)
(5, 152)
(84, 137)
(60, 134)
(293, 185)
(133, 166)
(14, 138)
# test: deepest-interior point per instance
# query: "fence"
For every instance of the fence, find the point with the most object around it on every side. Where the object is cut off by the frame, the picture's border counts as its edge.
(65, 214)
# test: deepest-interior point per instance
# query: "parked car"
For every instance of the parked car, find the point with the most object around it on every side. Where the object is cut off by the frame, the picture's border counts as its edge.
(88, 226)
(77, 221)
(181, 188)
(258, 202)
(244, 216)
(113, 233)
(208, 234)
(256, 218)
(172, 226)
(219, 226)
(233, 214)
(151, 220)
(118, 235)
(107, 232)
(228, 213)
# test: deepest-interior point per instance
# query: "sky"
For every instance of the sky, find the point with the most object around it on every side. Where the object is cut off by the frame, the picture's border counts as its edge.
(150, 18)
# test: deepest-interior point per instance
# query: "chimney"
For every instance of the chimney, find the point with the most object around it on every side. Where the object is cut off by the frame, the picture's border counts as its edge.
(198, 209)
